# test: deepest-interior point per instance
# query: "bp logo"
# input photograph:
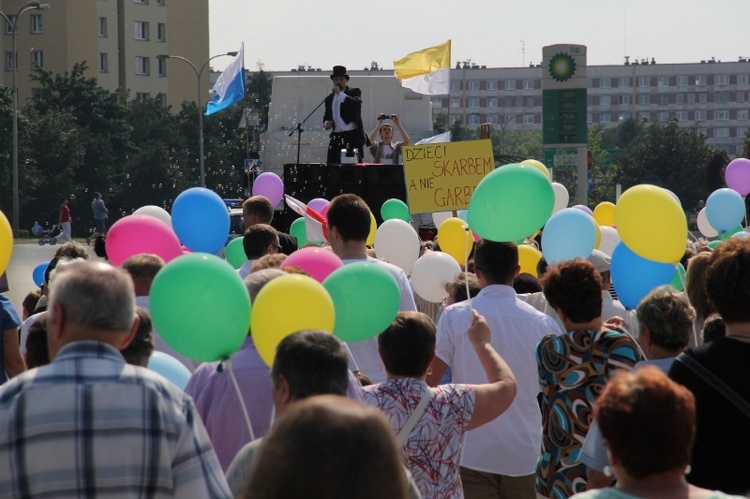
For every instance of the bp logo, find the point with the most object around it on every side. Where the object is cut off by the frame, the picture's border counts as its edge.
(562, 67)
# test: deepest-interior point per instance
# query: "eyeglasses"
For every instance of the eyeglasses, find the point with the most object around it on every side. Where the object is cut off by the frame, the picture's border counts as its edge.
(277, 246)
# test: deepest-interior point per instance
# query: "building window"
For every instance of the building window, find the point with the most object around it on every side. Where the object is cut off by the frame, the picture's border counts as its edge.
(644, 81)
(691, 98)
(663, 99)
(663, 81)
(682, 81)
(702, 98)
(510, 84)
(742, 79)
(492, 102)
(663, 116)
(102, 27)
(721, 115)
(162, 66)
(142, 66)
(605, 118)
(8, 25)
(144, 2)
(700, 80)
(528, 119)
(455, 102)
(10, 61)
(740, 96)
(474, 119)
(528, 84)
(679, 98)
(721, 133)
(142, 96)
(644, 115)
(161, 2)
(681, 115)
(741, 132)
(623, 82)
(162, 99)
(605, 83)
(103, 62)
(474, 85)
(742, 114)
(529, 102)
(492, 85)
(589, 117)
(473, 102)
(623, 99)
(700, 116)
(36, 23)
(161, 32)
(141, 30)
(605, 100)
(37, 59)
(518, 102)
(644, 99)
(507, 101)
(623, 116)
(722, 80)
(721, 97)
(455, 85)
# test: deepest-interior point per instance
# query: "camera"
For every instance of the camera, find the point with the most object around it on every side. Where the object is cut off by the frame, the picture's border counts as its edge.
(385, 117)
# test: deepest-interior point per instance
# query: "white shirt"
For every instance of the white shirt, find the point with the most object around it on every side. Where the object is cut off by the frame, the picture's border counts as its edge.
(339, 124)
(510, 444)
(387, 157)
(366, 352)
(244, 271)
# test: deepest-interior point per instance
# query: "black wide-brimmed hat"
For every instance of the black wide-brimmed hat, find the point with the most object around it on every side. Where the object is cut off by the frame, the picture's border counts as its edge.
(339, 71)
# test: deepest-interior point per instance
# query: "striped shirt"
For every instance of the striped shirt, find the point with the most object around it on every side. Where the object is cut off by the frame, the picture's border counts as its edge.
(90, 425)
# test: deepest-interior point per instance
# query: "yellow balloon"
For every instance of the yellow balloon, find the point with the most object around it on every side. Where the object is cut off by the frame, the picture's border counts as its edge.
(538, 165)
(6, 242)
(373, 230)
(598, 234)
(528, 258)
(455, 240)
(651, 223)
(604, 213)
(285, 305)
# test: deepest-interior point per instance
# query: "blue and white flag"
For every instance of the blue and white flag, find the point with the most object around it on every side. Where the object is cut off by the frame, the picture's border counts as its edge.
(230, 87)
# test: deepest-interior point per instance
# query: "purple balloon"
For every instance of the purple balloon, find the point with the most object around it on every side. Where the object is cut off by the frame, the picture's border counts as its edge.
(584, 209)
(318, 204)
(737, 175)
(269, 184)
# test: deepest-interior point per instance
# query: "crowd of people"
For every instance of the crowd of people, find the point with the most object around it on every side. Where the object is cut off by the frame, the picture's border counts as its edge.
(500, 391)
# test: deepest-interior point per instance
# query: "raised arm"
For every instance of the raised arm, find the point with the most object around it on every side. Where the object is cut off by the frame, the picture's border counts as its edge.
(493, 398)
(404, 135)
(376, 130)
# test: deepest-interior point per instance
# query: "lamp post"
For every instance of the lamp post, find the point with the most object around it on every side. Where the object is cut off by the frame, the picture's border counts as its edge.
(30, 5)
(505, 124)
(198, 73)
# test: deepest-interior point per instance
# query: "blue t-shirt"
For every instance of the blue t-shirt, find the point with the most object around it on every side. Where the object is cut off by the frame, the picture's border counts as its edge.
(100, 212)
(9, 319)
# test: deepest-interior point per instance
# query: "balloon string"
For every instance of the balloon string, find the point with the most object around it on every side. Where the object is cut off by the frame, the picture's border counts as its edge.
(682, 281)
(467, 235)
(242, 401)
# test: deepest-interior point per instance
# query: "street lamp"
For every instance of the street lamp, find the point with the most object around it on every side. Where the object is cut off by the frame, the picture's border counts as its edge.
(505, 124)
(198, 73)
(30, 5)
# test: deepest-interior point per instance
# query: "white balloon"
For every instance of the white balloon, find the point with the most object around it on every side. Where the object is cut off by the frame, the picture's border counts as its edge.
(440, 216)
(431, 273)
(397, 242)
(704, 226)
(610, 238)
(562, 198)
(156, 212)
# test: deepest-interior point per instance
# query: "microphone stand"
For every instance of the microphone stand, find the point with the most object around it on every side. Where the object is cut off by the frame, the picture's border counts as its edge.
(298, 128)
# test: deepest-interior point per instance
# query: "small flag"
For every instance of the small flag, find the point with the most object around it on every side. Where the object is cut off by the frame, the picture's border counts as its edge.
(435, 139)
(230, 87)
(316, 224)
(426, 71)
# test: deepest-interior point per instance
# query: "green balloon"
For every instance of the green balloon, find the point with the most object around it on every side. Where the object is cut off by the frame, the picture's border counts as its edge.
(201, 307)
(678, 281)
(366, 298)
(715, 244)
(235, 253)
(510, 203)
(726, 235)
(298, 230)
(395, 208)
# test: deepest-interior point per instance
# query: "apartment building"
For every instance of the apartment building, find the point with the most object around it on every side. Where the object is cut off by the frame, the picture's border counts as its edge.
(120, 41)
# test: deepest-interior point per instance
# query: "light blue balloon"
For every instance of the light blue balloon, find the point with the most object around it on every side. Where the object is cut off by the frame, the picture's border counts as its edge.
(570, 233)
(38, 273)
(725, 209)
(463, 215)
(201, 220)
(170, 368)
(741, 233)
(634, 276)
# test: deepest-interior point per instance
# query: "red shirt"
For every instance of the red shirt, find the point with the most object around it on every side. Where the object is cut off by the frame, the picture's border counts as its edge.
(64, 213)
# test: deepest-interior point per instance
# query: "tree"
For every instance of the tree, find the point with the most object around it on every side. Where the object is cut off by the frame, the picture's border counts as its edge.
(715, 166)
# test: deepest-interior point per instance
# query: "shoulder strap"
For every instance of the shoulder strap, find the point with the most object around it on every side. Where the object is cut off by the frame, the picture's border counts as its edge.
(715, 382)
(415, 415)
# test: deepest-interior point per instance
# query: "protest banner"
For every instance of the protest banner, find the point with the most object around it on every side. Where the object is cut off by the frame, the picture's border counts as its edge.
(443, 176)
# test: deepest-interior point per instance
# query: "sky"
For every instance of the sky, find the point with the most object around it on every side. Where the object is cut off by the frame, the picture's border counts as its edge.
(283, 34)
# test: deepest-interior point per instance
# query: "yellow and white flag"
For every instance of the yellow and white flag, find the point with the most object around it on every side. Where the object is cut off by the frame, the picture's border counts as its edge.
(426, 71)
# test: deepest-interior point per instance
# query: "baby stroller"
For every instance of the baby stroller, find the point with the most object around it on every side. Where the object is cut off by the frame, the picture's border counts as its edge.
(46, 235)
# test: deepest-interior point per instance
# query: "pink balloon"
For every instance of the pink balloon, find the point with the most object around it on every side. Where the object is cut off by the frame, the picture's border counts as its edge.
(737, 175)
(269, 184)
(584, 209)
(317, 262)
(318, 204)
(324, 211)
(137, 234)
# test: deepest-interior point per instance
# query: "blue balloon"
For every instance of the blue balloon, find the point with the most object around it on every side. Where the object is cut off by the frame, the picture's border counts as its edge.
(725, 209)
(38, 274)
(570, 233)
(463, 215)
(170, 368)
(634, 276)
(741, 233)
(201, 220)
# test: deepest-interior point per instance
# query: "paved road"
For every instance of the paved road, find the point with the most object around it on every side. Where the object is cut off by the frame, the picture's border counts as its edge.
(26, 256)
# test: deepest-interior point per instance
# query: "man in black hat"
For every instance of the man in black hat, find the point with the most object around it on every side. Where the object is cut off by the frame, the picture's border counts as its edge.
(343, 116)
